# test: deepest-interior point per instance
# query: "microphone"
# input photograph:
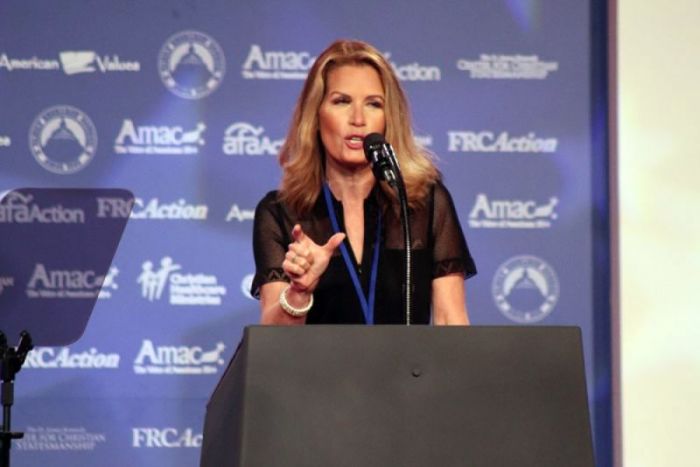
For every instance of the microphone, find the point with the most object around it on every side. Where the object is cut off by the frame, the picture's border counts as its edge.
(385, 166)
(380, 154)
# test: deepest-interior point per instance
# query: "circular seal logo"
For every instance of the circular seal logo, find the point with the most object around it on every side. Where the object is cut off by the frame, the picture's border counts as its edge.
(191, 64)
(525, 289)
(63, 139)
(246, 284)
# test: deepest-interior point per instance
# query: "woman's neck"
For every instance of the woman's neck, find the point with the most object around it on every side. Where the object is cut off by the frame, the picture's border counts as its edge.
(350, 185)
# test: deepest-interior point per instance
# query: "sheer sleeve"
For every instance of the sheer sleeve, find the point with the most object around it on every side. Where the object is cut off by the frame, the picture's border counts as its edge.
(450, 250)
(270, 240)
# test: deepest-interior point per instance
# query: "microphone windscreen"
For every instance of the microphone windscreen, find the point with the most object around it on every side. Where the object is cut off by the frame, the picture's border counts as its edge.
(371, 141)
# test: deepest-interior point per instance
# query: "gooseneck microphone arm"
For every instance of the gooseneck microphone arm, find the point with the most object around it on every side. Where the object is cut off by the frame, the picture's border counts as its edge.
(385, 166)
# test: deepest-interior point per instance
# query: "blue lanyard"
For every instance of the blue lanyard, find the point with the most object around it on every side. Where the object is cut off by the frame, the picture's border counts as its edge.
(367, 303)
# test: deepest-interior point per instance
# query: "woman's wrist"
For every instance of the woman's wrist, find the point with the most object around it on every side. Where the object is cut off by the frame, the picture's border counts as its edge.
(296, 302)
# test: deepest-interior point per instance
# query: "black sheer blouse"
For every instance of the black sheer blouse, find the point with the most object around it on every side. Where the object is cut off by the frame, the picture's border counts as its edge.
(439, 248)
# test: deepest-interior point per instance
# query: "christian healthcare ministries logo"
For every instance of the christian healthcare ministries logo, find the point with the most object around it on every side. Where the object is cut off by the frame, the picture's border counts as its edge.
(491, 66)
(63, 139)
(191, 64)
(525, 289)
(183, 289)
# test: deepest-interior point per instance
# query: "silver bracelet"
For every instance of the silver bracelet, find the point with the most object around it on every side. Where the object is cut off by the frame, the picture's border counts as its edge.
(296, 312)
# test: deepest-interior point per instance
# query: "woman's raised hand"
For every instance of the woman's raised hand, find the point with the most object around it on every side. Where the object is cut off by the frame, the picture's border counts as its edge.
(305, 261)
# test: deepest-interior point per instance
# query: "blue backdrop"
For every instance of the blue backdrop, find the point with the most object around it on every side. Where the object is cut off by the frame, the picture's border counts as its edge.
(186, 104)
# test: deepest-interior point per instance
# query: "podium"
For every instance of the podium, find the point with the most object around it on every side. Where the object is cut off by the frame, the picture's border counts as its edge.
(418, 396)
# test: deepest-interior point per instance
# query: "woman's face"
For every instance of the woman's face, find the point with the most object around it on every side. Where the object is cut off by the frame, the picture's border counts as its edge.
(352, 108)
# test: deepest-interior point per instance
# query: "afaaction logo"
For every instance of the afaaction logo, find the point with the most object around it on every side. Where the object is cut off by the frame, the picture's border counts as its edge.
(244, 139)
(19, 208)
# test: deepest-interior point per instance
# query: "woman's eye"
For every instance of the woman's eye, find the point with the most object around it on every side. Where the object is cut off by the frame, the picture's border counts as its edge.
(377, 104)
(340, 100)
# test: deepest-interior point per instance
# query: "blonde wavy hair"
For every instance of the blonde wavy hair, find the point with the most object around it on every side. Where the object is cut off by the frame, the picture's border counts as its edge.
(302, 153)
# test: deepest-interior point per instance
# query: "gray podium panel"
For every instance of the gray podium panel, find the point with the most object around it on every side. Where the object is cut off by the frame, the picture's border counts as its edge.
(401, 396)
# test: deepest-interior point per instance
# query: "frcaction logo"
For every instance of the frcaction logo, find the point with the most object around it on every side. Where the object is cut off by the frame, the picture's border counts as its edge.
(45, 438)
(414, 71)
(20, 208)
(276, 64)
(158, 139)
(67, 358)
(153, 209)
(525, 289)
(165, 437)
(63, 139)
(512, 213)
(183, 288)
(244, 139)
(178, 359)
(72, 62)
(495, 66)
(191, 64)
(47, 283)
(503, 142)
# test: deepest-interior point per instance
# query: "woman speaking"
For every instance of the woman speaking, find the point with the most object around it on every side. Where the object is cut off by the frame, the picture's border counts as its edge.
(328, 244)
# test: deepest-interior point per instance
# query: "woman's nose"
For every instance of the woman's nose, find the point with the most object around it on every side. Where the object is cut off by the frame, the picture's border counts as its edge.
(357, 116)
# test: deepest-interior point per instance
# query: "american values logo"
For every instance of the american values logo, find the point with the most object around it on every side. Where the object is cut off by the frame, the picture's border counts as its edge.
(63, 139)
(525, 289)
(183, 288)
(191, 64)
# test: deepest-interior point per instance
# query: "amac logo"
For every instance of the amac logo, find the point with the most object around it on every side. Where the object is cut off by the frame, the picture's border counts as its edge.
(511, 214)
(276, 64)
(178, 360)
(158, 139)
